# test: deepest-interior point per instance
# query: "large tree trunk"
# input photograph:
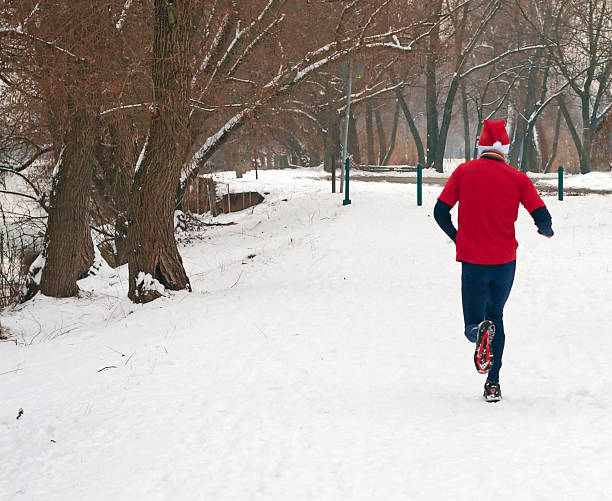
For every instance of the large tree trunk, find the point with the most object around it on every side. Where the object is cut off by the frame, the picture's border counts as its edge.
(466, 124)
(154, 254)
(431, 92)
(602, 144)
(370, 133)
(555, 143)
(522, 146)
(331, 139)
(587, 133)
(531, 157)
(68, 248)
(446, 121)
(113, 177)
(387, 157)
(571, 127)
(411, 125)
(299, 151)
(353, 140)
(382, 143)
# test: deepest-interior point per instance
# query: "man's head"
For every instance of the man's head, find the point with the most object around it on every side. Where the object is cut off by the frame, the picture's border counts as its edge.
(494, 138)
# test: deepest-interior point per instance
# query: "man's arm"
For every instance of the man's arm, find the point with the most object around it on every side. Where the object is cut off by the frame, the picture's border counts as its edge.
(535, 206)
(543, 220)
(443, 218)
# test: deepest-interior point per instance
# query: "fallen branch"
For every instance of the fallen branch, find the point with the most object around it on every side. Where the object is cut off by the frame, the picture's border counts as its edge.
(220, 224)
(9, 372)
(108, 367)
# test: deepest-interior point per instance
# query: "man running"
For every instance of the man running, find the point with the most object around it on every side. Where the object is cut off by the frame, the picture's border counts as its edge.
(489, 192)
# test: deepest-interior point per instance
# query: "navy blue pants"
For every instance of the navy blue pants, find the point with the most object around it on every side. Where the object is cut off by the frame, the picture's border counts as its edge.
(484, 291)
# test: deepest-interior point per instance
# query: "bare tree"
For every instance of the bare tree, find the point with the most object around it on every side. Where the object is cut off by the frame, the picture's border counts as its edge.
(579, 43)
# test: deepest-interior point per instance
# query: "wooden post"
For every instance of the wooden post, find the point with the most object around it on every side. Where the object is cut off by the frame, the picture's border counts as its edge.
(229, 200)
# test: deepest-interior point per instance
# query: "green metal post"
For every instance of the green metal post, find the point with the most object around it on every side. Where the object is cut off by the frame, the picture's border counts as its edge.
(561, 183)
(419, 185)
(346, 200)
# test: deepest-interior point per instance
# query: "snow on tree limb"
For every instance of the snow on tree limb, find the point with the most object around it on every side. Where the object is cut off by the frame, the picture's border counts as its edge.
(300, 112)
(124, 108)
(371, 19)
(499, 58)
(142, 154)
(214, 48)
(214, 140)
(29, 16)
(365, 95)
(287, 77)
(253, 43)
(20, 33)
(25, 165)
(123, 16)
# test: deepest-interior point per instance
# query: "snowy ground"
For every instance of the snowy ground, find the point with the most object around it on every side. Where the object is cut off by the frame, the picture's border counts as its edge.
(329, 366)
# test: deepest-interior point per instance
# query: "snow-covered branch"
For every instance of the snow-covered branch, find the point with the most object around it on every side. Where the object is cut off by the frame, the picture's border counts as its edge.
(25, 165)
(371, 19)
(249, 48)
(123, 16)
(214, 48)
(300, 112)
(124, 108)
(214, 141)
(20, 33)
(38, 198)
(499, 58)
(365, 95)
(29, 16)
(601, 116)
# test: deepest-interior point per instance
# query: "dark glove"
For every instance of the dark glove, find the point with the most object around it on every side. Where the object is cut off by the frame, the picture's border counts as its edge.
(548, 233)
(541, 218)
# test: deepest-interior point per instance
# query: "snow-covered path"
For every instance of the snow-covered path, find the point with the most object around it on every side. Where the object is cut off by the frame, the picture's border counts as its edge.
(330, 366)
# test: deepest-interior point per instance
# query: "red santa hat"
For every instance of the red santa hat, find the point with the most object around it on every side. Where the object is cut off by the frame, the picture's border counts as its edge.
(494, 137)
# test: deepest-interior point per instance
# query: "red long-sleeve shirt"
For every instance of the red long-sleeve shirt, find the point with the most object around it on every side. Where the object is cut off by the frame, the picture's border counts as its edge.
(489, 193)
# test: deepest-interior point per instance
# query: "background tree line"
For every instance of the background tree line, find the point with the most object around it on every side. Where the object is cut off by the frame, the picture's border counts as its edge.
(111, 108)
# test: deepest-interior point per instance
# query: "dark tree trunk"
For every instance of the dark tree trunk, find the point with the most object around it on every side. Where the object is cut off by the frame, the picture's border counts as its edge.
(382, 143)
(331, 138)
(153, 249)
(370, 133)
(393, 135)
(113, 175)
(431, 93)
(531, 160)
(555, 143)
(353, 141)
(411, 125)
(68, 247)
(571, 127)
(124, 159)
(446, 121)
(299, 152)
(524, 144)
(587, 133)
(466, 124)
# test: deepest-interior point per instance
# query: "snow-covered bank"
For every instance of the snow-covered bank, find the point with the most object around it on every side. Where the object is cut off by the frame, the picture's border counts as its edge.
(328, 365)
(590, 181)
